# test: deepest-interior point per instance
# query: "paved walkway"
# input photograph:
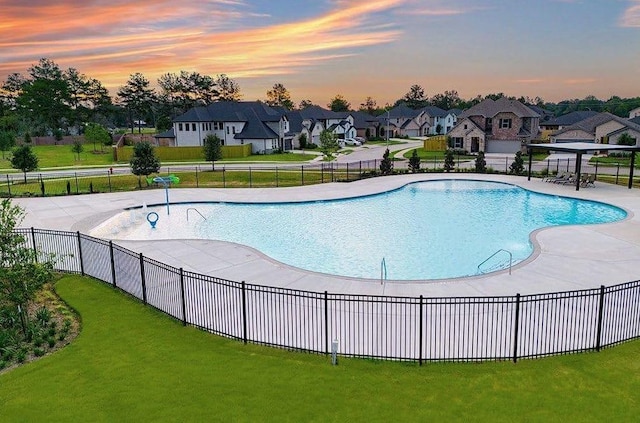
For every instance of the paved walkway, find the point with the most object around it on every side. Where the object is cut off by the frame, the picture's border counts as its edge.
(565, 258)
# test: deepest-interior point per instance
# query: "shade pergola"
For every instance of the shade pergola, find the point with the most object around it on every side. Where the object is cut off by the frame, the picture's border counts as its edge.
(581, 148)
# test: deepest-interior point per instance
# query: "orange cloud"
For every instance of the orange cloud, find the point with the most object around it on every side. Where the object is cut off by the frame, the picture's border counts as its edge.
(111, 41)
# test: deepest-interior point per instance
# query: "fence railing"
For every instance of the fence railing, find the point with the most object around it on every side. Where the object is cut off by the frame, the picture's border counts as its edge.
(401, 328)
(254, 176)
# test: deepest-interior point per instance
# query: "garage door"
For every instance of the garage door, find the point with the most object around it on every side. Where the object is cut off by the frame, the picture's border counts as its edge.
(501, 146)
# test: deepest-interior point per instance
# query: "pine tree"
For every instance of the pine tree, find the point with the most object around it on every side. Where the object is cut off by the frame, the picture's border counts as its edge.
(212, 149)
(386, 165)
(449, 161)
(414, 162)
(517, 167)
(144, 161)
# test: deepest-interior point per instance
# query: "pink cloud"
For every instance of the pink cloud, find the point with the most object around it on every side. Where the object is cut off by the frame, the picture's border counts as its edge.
(631, 16)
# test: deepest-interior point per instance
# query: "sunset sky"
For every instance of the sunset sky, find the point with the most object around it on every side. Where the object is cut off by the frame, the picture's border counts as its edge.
(556, 49)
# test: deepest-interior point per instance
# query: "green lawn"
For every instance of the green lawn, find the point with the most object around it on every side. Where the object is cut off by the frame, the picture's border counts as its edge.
(614, 161)
(384, 142)
(436, 155)
(131, 363)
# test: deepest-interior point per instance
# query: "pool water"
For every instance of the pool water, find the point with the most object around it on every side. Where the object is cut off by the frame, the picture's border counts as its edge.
(425, 230)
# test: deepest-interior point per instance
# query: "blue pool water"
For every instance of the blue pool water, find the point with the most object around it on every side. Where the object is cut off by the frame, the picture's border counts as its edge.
(426, 230)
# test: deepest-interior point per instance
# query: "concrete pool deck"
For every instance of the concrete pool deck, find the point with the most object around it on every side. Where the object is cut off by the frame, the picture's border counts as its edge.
(565, 258)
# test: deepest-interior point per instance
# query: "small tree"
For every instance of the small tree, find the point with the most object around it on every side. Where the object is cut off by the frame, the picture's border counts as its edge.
(328, 144)
(97, 134)
(21, 275)
(449, 161)
(144, 161)
(386, 165)
(27, 138)
(57, 135)
(212, 149)
(303, 141)
(163, 123)
(481, 163)
(7, 142)
(77, 147)
(414, 162)
(626, 139)
(24, 159)
(517, 167)
(438, 129)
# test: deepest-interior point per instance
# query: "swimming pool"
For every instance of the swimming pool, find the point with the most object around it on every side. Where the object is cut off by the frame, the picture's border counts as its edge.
(425, 230)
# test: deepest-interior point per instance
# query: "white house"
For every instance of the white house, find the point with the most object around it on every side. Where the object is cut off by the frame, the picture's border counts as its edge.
(235, 123)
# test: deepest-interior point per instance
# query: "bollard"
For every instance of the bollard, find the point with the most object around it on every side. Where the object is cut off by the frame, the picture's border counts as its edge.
(334, 352)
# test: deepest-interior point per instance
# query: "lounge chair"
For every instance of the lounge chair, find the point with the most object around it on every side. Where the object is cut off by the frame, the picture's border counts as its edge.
(588, 181)
(562, 178)
(558, 177)
(570, 180)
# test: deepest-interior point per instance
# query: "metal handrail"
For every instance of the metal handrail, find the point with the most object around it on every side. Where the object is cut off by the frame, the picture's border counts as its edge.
(494, 254)
(383, 271)
(195, 210)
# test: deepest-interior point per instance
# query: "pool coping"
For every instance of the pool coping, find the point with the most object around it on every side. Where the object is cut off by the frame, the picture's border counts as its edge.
(565, 258)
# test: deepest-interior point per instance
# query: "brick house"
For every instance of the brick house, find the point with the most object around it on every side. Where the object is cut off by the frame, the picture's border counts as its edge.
(495, 126)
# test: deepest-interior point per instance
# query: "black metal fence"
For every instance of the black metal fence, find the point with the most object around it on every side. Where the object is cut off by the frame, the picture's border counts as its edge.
(232, 176)
(400, 328)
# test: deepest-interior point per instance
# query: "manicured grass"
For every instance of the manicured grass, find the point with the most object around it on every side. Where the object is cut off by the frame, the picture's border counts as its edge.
(131, 363)
(286, 157)
(384, 142)
(61, 156)
(614, 161)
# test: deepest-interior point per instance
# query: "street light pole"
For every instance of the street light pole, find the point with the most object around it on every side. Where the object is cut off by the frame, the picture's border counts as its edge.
(387, 129)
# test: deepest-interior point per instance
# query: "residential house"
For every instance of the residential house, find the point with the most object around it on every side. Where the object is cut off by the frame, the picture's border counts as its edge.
(167, 138)
(440, 121)
(634, 113)
(235, 123)
(603, 128)
(563, 121)
(495, 126)
(311, 121)
(404, 121)
(366, 125)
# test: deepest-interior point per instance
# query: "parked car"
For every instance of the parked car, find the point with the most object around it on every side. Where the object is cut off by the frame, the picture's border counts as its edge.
(361, 139)
(352, 141)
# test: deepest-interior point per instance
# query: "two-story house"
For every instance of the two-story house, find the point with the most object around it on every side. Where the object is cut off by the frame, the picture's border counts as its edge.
(404, 121)
(235, 123)
(495, 126)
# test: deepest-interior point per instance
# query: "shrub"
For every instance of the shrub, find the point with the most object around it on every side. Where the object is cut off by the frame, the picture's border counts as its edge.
(449, 162)
(481, 163)
(517, 167)
(21, 355)
(43, 316)
(51, 342)
(38, 352)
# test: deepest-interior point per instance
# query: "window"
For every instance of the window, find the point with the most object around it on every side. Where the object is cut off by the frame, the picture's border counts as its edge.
(458, 142)
(233, 128)
(465, 126)
(186, 126)
(217, 126)
(193, 126)
(505, 123)
(228, 131)
(179, 127)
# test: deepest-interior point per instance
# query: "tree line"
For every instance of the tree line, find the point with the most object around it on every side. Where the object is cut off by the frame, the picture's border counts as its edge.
(49, 100)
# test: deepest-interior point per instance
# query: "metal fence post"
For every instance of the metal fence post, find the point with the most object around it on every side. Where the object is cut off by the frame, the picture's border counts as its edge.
(515, 330)
(143, 279)
(277, 177)
(33, 243)
(197, 182)
(596, 176)
(347, 171)
(250, 184)
(77, 188)
(506, 165)
(113, 264)
(109, 177)
(600, 313)
(617, 172)
(8, 186)
(326, 322)
(420, 333)
(224, 181)
(80, 253)
(244, 312)
(184, 306)
(302, 174)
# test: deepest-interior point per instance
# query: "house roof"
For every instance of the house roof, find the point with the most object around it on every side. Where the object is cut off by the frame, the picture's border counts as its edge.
(635, 120)
(167, 134)
(456, 112)
(255, 128)
(401, 111)
(295, 121)
(488, 108)
(434, 111)
(317, 112)
(571, 118)
(362, 120)
(230, 111)
(589, 125)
